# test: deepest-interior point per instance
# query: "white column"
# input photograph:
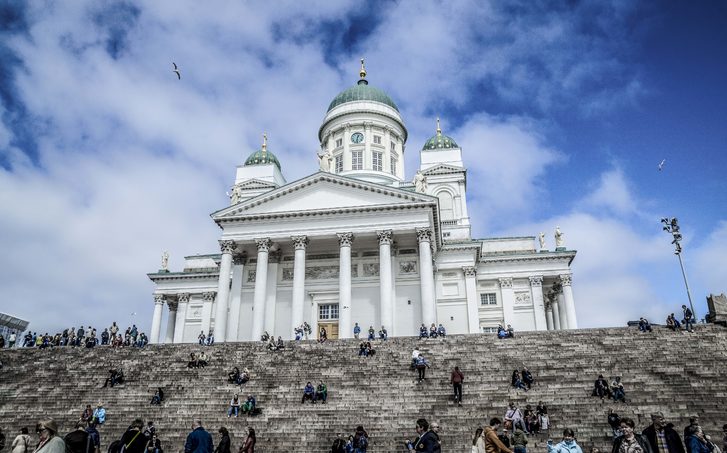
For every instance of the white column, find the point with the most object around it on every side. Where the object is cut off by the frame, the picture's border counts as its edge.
(470, 286)
(182, 304)
(171, 321)
(562, 312)
(208, 299)
(156, 320)
(233, 320)
(296, 318)
(386, 306)
(223, 290)
(508, 301)
(570, 306)
(392, 330)
(271, 293)
(536, 286)
(344, 286)
(556, 313)
(261, 284)
(426, 276)
(549, 316)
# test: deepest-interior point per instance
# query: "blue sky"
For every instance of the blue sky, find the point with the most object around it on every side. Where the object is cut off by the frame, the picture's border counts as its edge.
(564, 111)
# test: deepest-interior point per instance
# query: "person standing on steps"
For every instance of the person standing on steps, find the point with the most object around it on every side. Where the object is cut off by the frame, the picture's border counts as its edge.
(659, 434)
(356, 331)
(426, 442)
(456, 379)
(421, 365)
(249, 445)
(492, 442)
(199, 440)
(567, 445)
(688, 318)
(133, 440)
(224, 445)
(629, 441)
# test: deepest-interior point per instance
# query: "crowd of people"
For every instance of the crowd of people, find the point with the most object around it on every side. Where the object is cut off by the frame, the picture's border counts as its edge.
(433, 331)
(82, 337)
(358, 442)
(614, 390)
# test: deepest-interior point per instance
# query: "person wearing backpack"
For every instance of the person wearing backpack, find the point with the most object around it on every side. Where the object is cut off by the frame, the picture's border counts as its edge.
(360, 440)
(48, 439)
(134, 440)
(21, 444)
(78, 440)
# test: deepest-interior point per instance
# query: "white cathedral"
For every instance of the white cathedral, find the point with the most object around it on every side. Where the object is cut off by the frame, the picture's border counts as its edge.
(358, 243)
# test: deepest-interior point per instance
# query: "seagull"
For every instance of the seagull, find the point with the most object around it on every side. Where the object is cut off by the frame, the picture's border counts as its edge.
(661, 164)
(133, 313)
(176, 71)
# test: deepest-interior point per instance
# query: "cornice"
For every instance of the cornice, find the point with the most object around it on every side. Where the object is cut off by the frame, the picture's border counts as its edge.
(556, 256)
(170, 276)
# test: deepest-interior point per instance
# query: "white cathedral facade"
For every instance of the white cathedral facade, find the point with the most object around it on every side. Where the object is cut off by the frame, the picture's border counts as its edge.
(357, 243)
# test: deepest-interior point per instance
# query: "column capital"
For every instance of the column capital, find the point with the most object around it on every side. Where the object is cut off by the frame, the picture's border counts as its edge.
(227, 246)
(566, 279)
(159, 299)
(345, 239)
(172, 304)
(470, 271)
(209, 296)
(536, 280)
(183, 298)
(239, 259)
(385, 237)
(505, 282)
(263, 244)
(424, 235)
(300, 242)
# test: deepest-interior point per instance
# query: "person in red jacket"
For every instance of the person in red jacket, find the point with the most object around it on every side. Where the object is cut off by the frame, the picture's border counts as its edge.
(457, 378)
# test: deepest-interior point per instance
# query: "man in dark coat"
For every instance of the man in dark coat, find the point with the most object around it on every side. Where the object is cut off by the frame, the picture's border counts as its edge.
(199, 440)
(658, 430)
(134, 439)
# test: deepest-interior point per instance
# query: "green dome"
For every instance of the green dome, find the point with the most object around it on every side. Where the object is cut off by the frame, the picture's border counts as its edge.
(440, 141)
(262, 157)
(362, 92)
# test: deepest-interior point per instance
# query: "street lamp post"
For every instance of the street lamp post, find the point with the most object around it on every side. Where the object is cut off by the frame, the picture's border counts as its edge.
(671, 225)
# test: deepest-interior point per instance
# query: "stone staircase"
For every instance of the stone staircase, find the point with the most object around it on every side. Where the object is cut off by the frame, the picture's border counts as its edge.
(678, 374)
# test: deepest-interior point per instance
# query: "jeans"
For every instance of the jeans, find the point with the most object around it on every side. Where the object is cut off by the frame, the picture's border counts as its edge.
(688, 323)
(421, 370)
(519, 450)
(233, 410)
(457, 391)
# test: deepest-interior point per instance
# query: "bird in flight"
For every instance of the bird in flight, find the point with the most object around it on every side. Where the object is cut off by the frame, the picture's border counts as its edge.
(177, 71)
(661, 164)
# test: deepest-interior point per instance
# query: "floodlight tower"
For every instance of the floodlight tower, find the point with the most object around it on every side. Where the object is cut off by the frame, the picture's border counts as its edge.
(671, 225)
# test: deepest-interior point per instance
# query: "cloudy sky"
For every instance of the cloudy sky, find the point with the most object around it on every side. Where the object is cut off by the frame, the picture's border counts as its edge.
(563, 110)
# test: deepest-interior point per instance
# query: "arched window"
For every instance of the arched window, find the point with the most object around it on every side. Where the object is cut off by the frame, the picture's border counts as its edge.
(446, 205)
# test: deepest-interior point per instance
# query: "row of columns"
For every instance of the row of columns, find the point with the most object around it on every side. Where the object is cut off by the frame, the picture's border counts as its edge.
(226, 328)
(560, 309)
(177, 305)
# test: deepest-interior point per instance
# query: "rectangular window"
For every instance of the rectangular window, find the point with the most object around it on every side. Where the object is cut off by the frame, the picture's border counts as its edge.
(488, 299)
(357, 160)
(339, 164)
(393, 165)
(327, 312)
(339, 142)
(489, 329)
(393, 146)
(377, 139)
(378, 161)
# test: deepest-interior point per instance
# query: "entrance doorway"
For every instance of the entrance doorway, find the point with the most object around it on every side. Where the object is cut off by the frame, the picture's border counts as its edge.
(328, 318)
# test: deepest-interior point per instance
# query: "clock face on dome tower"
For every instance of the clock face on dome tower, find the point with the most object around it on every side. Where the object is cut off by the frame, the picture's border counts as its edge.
(357, 137)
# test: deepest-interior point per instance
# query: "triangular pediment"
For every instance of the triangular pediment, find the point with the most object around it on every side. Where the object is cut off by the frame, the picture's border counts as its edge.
(323, 192)
(443, 169)
(254, 184)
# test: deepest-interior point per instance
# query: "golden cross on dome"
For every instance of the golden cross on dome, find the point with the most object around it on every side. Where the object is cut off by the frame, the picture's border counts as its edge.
(362, 72)
(439, 129)
(265, 142)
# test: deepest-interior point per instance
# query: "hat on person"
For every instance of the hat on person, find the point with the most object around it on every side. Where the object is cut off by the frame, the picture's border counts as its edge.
(100, 404)
(49, 424)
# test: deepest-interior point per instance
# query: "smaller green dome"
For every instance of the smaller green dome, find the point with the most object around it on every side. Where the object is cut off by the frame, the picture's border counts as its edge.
(263, 156)
(440, 141)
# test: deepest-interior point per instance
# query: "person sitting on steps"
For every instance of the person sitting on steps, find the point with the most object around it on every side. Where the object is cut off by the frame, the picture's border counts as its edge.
(280, 344)
(501, 333)
(369, 350)
(617, 390)
(308, 393)
(193, 362)
(644, 325)
(362, 349)
(433, 331)
(201, 338)
(202, 360)
(383, 334)
(158, 396)
(517, 382)
(672, 323)
(321, 392)
(441, 331)
(600, 388)
(234, 376)
(510, 331)
(249, 406)
(115, 377)
(527, 377)
(423, 332)
(322, 335)
(244, 376)
(234, 406)
(272, 346)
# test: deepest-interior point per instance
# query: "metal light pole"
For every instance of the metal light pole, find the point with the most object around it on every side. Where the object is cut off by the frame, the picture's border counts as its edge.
(671, 225)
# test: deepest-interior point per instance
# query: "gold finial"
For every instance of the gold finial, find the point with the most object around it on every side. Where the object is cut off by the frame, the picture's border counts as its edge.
(362, 72)
(265, 142)
(439, 129)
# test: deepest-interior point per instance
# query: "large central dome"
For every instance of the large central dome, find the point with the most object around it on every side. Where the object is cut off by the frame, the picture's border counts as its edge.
(362, 92)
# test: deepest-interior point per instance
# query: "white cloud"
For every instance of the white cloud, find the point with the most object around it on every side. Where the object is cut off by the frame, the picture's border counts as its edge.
(710, 261)
(613, 193)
